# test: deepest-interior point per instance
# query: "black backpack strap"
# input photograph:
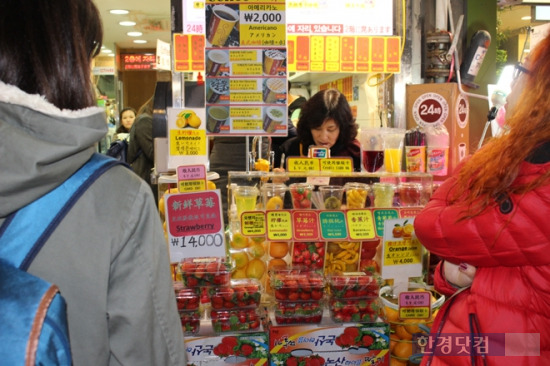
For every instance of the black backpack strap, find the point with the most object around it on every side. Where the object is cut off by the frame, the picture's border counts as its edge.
(25, 231)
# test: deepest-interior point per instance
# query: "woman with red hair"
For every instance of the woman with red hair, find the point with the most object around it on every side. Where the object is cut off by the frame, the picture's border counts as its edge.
(490, 225)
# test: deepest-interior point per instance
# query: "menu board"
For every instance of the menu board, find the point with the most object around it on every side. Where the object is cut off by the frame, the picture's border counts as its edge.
(246, 68)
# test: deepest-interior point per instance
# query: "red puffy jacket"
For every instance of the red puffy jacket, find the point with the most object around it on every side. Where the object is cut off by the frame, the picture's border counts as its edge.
(510, 246)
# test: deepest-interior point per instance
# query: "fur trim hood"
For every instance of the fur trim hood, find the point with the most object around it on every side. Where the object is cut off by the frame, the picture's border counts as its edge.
(41, 145)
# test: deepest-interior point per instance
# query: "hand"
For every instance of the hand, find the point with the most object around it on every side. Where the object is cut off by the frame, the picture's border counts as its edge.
(461, 275)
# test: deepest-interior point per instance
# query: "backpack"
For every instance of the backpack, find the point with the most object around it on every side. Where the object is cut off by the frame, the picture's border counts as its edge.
(33, 319)
(118, 150)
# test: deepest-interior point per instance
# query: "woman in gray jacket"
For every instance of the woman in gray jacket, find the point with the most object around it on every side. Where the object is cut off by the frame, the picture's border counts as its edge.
(108, 256)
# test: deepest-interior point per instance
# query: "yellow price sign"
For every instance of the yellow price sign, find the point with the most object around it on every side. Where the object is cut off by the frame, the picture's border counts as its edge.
(360, 224)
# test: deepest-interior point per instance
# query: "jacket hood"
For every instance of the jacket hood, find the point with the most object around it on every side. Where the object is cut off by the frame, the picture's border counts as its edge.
(41, 145)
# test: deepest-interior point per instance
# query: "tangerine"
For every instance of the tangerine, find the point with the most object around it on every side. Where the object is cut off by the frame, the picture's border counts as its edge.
(402, 333)
(257, 250)
(239, 274)
(255, 269)
(239, 241)
(278, 249)
(403, 350)
(395, 362)
(392, 315)
(393, 341)
(240, 259)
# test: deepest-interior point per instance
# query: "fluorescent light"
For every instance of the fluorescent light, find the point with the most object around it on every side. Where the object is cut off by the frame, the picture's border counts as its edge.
(111, 54)
(526, 17)
(134, 34)
(119, 11)
(140, 41)
(106, 51)
(127, 23)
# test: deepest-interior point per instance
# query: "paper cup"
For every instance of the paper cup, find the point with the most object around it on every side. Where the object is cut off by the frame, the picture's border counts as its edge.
(222, 21)
(273, 117)
(215, 60)
(438, 160)
(415, 158)
(216, 88)
(274, 89)
(216, 118)
(273, 62)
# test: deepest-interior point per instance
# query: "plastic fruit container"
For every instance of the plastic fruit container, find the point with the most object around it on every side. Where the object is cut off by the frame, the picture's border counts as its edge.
(187, 298)
(301, 195)
(235, 320)
(346, 310)
(297, 285)
(190, 321)
(356, 194)
(354, 285)
(197, 272)
(301, 312)
(245, 293)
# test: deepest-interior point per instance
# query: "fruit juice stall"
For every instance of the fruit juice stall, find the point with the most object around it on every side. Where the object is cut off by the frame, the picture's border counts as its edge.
(312, 266)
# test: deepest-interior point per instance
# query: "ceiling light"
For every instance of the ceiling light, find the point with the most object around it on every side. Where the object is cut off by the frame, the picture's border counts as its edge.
(134, 34)
(106, 51)
(127, 23)
(111, 54)
(526, 18)
(140, 41)
(119, 11)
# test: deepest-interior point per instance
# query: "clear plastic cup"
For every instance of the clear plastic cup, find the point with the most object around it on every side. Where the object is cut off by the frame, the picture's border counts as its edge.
(383, 194)
(301, 195)
(410, 193)
(332, 197)
(273, 196)
(246, 198)
(393, 150)
(356, 194)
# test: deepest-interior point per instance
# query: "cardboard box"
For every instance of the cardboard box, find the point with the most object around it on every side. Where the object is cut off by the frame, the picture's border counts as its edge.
(436, 104)
(331, 343)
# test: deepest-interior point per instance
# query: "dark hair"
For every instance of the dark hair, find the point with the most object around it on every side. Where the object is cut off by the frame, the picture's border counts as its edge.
(121, 128)
(329, 103)
(47, 46)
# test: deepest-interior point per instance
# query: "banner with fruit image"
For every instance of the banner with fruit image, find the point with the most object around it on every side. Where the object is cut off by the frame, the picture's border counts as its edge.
(334, 344)
(238, 350)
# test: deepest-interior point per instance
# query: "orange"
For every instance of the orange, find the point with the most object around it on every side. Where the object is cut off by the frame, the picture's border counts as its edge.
(393, 341)
(395, 362)
(392, 315)
(402, 333)
(278, 249)
(210, 185)
(411, 325)
(255, 269)
(403, 350)
(276, 262)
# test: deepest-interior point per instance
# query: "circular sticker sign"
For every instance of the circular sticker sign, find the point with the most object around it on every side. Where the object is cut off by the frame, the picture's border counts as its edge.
(430, 109)
(462, 111)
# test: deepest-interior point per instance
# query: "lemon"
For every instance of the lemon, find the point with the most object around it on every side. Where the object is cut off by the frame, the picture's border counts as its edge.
(181, 122)
(257, 250)
(194, 121)
(274, 203)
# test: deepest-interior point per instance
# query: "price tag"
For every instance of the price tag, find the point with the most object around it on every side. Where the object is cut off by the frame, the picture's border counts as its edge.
(333, 225)
(191, 178)
(306, 225)
(360, 224)
(279, 225)
(195, 225)
(415, 305)
(253, 224)
(401, 251)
